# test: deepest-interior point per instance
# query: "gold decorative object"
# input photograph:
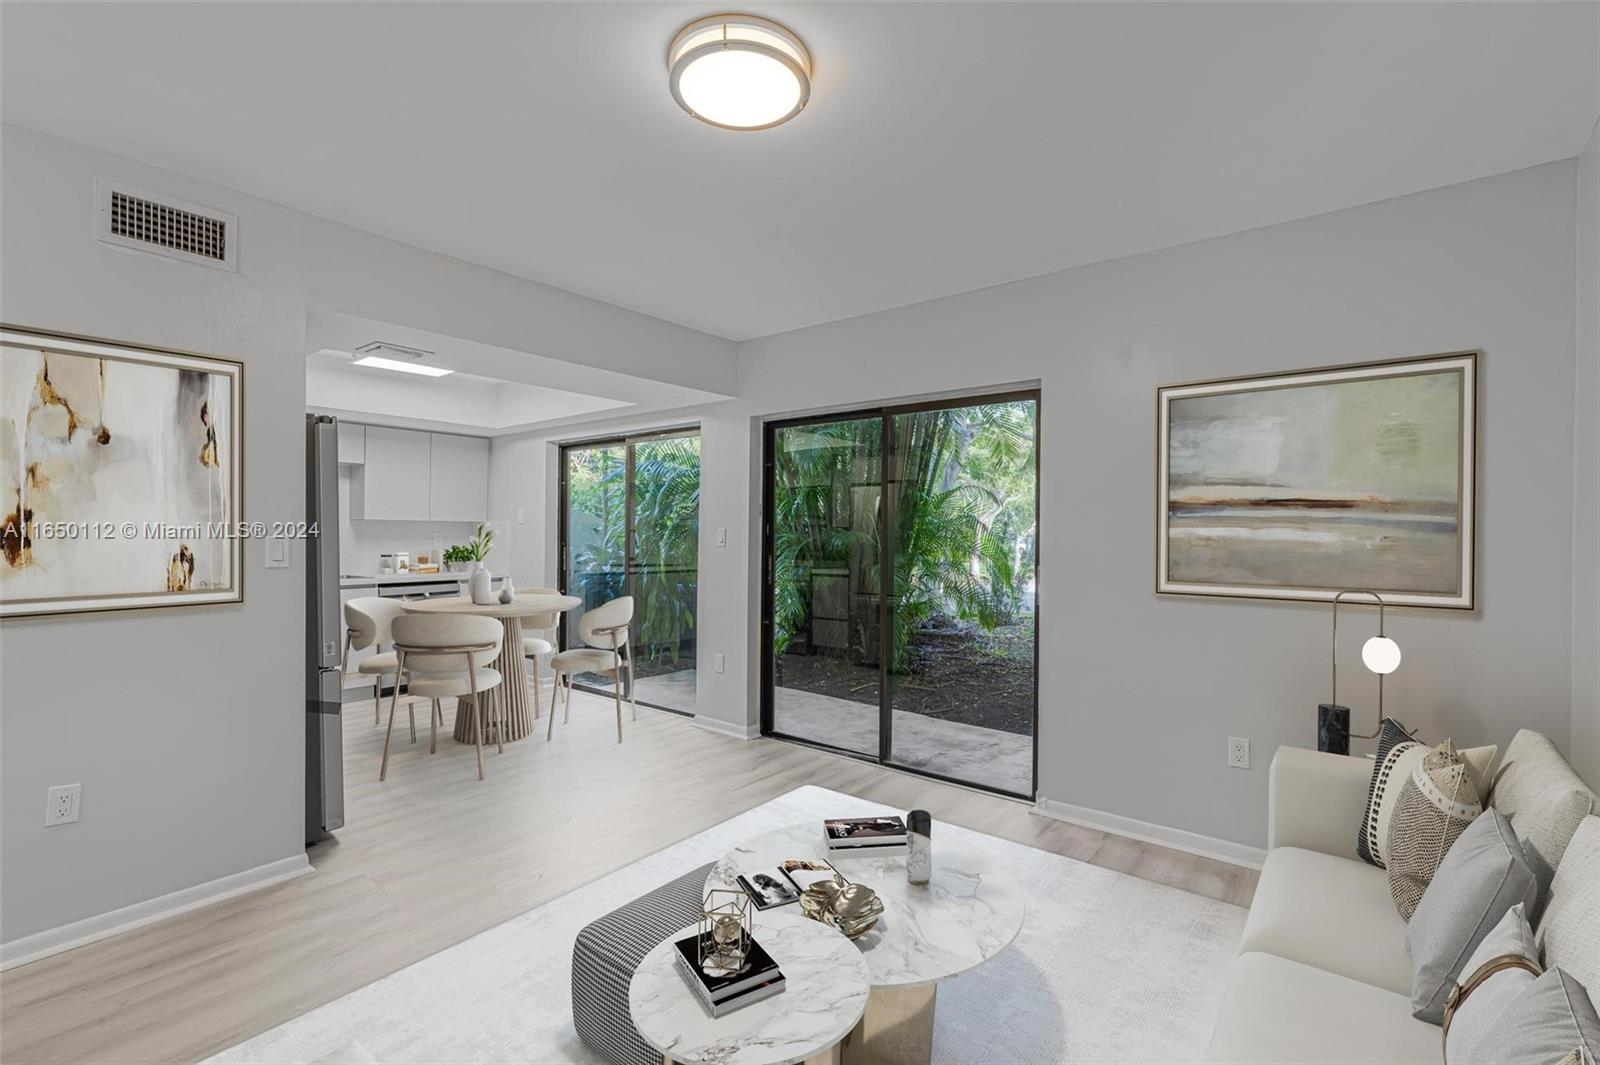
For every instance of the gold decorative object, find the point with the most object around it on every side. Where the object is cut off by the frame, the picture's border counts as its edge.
(726, 918)
(851, 908)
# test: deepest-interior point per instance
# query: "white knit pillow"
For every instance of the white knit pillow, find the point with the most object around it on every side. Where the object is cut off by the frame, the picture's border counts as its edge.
(1569, 931)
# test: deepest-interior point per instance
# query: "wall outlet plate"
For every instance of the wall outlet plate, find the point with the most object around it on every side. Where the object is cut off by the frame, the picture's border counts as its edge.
(1238, 752)
(61, 804)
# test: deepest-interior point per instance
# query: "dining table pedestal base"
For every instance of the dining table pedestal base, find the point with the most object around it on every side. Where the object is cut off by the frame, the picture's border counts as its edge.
(509, 699)
(896, 1029)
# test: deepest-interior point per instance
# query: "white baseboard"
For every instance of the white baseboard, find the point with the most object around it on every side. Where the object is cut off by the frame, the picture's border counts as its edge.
(724, 728)
(67, 936)
(1178, 839)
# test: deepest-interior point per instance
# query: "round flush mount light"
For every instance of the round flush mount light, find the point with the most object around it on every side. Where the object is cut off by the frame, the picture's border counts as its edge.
(739, 72)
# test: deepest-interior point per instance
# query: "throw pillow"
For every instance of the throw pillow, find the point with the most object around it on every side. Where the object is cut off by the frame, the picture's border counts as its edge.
(1545, 800)
(1569, 932)
(1398, 756)
(1482, 877)
(1550, 1019)
(1435, 804)
(1486, 995)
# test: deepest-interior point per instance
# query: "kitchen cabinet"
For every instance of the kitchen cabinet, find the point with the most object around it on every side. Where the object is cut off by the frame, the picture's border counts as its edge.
(352, 443)
(408, 475)
(394, 478)
(458, 478)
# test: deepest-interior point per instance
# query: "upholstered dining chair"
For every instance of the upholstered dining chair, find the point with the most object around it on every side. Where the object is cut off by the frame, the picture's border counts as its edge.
(441, 655)
(604, 634)
(367, 622)
(541, 626)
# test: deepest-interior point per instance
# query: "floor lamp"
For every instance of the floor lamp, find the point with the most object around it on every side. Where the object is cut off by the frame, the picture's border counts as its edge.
(1379, 654)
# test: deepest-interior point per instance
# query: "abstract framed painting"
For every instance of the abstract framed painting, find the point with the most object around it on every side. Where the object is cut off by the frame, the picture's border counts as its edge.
(1300, 485)
(122, 473)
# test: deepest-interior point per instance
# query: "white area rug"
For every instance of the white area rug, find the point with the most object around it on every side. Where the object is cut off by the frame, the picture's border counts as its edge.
(1108, 968)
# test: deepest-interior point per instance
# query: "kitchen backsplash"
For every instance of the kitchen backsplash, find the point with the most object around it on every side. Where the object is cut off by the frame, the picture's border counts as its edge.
(361, 542)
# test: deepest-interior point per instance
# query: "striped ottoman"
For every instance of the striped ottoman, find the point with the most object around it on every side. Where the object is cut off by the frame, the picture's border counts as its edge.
(607, 953)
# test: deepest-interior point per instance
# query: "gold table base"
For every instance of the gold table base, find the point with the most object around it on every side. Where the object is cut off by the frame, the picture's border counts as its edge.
(897, 1028)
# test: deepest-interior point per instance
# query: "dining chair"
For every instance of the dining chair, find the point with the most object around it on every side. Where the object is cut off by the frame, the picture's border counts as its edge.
(367, 623)
(604, 633)
(534, 646)
(441, 653)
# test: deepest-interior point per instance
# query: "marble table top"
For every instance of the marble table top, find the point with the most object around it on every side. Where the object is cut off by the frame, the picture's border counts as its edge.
(967, 913)
(824, 995)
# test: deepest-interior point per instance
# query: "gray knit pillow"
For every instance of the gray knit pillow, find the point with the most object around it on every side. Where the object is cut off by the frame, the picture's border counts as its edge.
(1482, 877)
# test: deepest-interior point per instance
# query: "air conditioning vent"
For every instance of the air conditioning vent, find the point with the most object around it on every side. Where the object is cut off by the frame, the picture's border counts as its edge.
(161, 225)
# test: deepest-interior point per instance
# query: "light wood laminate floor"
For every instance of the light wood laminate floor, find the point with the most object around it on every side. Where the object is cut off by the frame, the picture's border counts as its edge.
(433, 856)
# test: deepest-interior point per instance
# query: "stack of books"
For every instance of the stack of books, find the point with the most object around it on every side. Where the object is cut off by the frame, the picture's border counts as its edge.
(758, 978)
(861, 837)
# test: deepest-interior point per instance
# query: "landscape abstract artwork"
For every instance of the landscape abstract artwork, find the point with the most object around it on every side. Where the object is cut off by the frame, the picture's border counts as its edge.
(121, 476)
(1300, 485)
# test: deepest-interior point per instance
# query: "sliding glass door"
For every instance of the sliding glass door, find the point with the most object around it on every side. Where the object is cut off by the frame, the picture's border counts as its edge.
(901, 562)
(630, 525)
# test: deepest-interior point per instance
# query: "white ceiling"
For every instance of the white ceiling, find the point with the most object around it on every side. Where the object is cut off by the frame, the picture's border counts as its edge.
(947, 147)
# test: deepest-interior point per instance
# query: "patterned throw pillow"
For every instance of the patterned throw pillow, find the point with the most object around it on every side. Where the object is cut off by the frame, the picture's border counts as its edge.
(1435, 804)
(1398, 756)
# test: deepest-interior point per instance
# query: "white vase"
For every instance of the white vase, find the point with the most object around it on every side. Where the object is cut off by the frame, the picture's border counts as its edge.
(479, 585)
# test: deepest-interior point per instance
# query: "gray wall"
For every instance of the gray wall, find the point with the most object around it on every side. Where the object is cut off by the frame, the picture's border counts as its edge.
(1138, 693)
(1586, 476)
(185, 727)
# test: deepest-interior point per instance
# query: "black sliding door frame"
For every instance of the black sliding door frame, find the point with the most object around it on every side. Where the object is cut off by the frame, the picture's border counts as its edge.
(629, 557)
(886, 597)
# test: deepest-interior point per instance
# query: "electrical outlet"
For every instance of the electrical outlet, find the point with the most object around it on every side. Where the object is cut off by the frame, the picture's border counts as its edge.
(720, 662)
(1238, 752)
(61, 804)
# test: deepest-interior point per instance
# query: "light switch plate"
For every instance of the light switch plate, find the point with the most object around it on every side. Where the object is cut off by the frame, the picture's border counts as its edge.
(722, 536)
(720, 662)
(277, 553)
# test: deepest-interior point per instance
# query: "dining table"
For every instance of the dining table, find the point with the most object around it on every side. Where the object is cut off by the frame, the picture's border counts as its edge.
(509, 699)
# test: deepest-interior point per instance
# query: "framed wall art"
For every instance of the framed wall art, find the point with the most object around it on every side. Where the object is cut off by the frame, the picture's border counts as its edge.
(1299, 485)
(122, 474)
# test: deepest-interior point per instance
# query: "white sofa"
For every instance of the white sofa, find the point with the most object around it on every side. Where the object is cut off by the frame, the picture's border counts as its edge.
(1323, 974)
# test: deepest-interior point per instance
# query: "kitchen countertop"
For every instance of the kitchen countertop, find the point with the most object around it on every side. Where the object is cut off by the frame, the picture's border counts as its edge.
(372, 580)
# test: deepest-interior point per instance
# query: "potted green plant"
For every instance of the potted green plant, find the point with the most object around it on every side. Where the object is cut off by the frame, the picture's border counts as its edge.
(456, 558)
(478, 549)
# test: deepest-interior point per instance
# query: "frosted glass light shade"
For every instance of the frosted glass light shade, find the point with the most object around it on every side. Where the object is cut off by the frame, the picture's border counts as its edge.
(739, 72)
(1381, 655)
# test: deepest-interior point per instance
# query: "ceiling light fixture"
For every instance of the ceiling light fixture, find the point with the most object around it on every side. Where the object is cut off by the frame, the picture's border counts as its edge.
(368, 355)
(739, 72)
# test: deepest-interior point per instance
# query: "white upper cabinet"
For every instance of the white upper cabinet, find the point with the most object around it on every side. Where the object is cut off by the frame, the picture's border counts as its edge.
(352, 444)
(407, 475)
(395, 476)
(459, 478)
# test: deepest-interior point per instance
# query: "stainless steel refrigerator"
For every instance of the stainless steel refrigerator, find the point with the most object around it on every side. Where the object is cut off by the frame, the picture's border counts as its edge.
(324, 680)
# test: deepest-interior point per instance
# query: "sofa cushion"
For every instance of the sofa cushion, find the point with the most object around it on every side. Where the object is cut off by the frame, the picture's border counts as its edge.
(1398, 757)
(1546, 802)
(1332, 913)
(1482, 877)
(1277, 1010)
(1550, 1019)
(1489, 990)
(1569, 932)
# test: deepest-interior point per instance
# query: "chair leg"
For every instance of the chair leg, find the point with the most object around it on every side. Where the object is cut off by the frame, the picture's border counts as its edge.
(477, 708)
(433, 727)
(566, 711)
(535, 660)
(377, 699)
(633, 687)
(383, 768)
(616, 687)
(411, 708)
(550, 729)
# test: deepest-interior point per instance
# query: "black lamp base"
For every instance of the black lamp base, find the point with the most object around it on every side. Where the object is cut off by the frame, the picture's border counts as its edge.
(1333, 728)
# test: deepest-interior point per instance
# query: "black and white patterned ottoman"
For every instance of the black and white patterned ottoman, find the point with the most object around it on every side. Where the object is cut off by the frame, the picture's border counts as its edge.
(608, 951)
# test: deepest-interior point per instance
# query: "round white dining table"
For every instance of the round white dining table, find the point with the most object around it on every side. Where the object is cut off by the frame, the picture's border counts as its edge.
(510, 696)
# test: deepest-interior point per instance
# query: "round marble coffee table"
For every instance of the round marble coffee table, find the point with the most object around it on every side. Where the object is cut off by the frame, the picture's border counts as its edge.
(825, 991)
(969, 911)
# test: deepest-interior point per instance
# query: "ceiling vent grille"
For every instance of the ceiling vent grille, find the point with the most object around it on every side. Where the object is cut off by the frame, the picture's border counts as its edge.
(161, 225)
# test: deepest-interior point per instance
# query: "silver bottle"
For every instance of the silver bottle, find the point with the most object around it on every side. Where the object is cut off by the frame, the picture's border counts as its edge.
(919, 846)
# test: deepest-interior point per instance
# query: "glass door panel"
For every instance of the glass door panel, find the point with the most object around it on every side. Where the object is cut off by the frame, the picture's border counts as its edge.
(827, 610)
(664, 568)
(595, 562)
(961, 664)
